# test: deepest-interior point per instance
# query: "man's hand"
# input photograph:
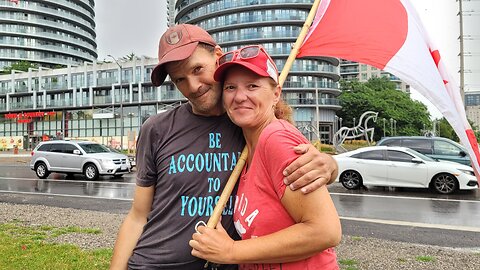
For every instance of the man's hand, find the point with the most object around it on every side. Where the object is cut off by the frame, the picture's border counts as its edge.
(311, 170)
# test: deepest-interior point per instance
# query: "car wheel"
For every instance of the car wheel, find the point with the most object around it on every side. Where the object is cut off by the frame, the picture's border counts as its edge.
(444, 183)
(41, 170)
(351, 179)
(91, 172)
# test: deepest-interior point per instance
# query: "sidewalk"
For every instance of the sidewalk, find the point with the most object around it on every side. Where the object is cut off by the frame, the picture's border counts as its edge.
(8, 157)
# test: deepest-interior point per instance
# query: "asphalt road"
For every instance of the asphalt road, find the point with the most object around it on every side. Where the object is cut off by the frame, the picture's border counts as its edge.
(407, 215)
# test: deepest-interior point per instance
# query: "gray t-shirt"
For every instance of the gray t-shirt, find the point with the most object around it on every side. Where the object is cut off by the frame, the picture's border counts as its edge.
(188, 158)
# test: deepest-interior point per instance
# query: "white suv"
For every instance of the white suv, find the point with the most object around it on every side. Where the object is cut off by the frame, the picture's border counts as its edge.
(83, 157)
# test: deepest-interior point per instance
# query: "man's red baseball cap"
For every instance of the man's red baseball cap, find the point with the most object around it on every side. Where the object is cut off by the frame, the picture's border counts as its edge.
(178, 43)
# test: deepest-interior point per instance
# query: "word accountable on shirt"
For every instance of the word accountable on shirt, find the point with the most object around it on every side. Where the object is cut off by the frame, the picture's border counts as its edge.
(213, 162)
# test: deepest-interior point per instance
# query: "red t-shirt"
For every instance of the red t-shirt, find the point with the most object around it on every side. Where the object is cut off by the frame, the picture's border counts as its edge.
(258, 209)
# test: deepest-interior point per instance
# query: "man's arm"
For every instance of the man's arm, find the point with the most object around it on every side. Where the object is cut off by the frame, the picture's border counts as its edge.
(132, 227)
(311, 170)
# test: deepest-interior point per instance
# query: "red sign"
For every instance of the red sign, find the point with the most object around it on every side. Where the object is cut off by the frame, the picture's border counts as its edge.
(24, 120)
(27, 116)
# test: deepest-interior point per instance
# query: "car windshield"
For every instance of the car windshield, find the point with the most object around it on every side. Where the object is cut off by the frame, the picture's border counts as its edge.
(420, 155)
(111, 149)
(94, 148)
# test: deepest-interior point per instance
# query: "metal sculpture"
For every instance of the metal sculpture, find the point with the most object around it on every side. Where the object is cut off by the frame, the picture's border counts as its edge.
(360, 130)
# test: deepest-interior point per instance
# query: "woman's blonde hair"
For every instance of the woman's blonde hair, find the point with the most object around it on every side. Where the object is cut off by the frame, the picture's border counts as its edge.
(282, 110)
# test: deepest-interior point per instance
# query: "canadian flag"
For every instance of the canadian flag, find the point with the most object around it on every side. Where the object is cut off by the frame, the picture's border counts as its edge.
(389, 35)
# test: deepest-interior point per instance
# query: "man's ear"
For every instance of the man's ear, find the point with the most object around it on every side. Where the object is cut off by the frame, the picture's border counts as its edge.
(218, 51)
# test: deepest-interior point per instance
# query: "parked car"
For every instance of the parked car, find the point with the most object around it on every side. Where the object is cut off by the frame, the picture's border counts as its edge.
(131, 158)
(434, 147)
(82, 157)
(401, 167)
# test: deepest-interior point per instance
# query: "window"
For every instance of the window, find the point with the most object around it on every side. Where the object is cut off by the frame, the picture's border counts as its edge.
(445, 148)
(399, 156)
(423, 146)
(69, 148)
(392, 142)
(57, 147)
(370, 155)
(45, 148)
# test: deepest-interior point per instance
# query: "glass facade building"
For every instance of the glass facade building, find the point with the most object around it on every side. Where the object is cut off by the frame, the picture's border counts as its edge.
(48, 33)
(312, 86)
(81, 102)
(350, 70)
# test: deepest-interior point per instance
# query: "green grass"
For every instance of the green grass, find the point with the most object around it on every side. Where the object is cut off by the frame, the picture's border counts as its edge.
(425, 258)
(348, 264)
(26, 247)
(356, 238)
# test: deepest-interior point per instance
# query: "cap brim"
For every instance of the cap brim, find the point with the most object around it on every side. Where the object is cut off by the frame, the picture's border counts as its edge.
(220, 72)
(181, 53)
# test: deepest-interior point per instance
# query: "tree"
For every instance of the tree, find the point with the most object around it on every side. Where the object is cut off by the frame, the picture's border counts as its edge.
(446, 130)
(129, 57)
(380, 95)
(20, 65)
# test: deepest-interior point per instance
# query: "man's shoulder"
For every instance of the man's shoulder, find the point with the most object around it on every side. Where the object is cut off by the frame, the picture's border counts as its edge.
(163, 117)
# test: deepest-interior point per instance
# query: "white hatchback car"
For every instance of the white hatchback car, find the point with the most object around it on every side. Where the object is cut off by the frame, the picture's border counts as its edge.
(401, 167)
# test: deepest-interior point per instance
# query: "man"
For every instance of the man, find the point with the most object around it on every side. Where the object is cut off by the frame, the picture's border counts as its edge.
(184, 158)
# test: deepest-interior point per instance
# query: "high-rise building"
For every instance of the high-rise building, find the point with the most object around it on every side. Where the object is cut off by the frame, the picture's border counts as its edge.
(312, 86)
(47, 33)
(350, 70)
(171, 12)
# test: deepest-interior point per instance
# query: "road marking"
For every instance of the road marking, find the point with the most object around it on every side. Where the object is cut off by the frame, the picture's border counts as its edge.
(64, 195)
(402, 197)
(66, 181)
(415, 224)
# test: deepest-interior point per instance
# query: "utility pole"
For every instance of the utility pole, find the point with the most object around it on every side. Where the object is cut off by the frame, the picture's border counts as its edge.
(462, 53)
(121, 101)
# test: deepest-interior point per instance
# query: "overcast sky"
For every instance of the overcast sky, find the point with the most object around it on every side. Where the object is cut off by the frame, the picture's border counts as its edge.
(126, 26)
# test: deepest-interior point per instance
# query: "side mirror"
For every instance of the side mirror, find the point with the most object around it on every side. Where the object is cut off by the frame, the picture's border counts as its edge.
(417, 160)
(77, 152)
(462, 153)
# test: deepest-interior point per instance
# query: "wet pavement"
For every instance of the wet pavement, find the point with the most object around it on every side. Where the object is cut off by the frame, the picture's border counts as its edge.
(392, 206)
(20, 179)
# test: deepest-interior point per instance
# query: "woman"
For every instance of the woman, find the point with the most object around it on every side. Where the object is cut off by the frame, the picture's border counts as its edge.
(279, 227)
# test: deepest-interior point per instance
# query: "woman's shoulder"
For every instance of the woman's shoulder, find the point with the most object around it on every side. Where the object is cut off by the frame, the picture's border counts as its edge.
(283, 131)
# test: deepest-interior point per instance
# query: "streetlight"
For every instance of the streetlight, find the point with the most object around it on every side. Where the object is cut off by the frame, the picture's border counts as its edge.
(121, 101)
(384, 120)
(341, 119)
(354, 121)
(395, 127)
(391, 126)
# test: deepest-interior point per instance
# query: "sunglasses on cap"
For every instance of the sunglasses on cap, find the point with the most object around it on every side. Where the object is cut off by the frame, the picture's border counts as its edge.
(253, 55)
(244, 53)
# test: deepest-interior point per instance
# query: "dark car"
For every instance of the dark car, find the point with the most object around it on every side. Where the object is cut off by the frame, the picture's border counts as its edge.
(434, 147)
(131, 158)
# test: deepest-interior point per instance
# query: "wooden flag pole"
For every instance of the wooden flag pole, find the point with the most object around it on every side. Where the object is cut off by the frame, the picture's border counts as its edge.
(227, 191)
(298, 43)
(232, 180)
